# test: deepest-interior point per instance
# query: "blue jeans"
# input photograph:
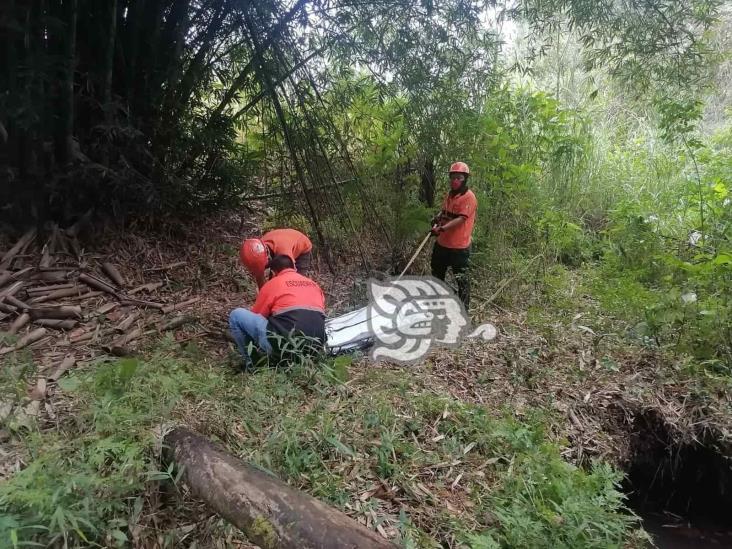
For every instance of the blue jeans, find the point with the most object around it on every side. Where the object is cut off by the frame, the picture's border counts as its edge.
(248, 327)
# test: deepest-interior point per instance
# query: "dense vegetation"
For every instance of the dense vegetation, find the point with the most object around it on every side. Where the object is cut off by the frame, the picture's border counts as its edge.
(601, 153)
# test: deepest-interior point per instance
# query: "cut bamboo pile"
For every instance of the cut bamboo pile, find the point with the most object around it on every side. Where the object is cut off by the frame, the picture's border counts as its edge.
(60, 302)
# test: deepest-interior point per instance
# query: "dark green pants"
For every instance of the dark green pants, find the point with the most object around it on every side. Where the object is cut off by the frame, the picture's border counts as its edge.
(459, 260)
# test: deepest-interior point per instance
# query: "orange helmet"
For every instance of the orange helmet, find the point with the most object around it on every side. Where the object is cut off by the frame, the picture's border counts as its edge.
(254, 255)
(460, 167)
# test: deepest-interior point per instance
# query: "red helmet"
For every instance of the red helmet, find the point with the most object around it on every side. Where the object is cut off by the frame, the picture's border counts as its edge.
(254, 255)
(460, 167)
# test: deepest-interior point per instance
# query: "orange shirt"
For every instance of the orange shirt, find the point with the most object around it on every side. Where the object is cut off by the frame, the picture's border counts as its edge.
(286, 291)
(460, 205)
(287, 242)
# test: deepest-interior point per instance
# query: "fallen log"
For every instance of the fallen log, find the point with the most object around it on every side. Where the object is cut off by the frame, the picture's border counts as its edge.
(271, 513)
(65, 311)
(114, 275)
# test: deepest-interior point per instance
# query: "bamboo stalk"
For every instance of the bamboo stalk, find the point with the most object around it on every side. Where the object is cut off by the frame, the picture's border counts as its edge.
(125, 324)
(65, 311)
(15, 302)
(114, 275)
(177, 306)
(149, 287)
(27, 339)
(56, 323)
(177, 322)
(46, 289)
(97, 284)
(20, 245)
(68, 362)
(18, 323)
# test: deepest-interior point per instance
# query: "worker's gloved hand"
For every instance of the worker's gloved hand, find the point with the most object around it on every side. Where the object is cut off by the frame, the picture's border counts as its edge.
(436, 229)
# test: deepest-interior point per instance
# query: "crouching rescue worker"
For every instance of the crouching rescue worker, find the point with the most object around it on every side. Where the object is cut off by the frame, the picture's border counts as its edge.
(288, 305)
(453, 227)
(256, 252)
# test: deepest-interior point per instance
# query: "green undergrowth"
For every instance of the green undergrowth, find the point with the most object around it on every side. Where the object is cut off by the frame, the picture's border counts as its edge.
(378, 443)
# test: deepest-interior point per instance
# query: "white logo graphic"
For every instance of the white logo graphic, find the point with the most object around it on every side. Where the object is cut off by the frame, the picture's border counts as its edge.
(409, 315)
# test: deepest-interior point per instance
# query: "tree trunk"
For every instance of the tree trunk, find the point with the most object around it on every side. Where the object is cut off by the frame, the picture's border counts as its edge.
(266, 82)
(427, 183)
(271, 513)
(65, 135)
(109, 63)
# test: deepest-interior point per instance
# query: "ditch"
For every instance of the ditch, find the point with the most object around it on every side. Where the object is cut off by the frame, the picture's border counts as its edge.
(682, 491)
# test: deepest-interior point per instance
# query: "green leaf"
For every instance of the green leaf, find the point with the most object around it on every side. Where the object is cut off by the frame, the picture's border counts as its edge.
(342, 448)
(69, 383)
(340, 368)
(120, 536)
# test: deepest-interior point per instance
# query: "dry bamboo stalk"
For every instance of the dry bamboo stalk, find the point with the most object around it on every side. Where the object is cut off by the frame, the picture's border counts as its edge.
(177, 322)
(18, 323)
(18, 275)
(5, 308)
(13, 289)
(127, 322)
(56, 323)
(68, 362)
(97, 284)
(127, 338)
(150, 286)
(26, 239)
(51, 276)
(5, 277)
(140, 303)
(65, 311)
(42, 290)
(177, 306)
(27, 339)
(15, 302)
(87, 295)
(57, 294)
(167, 267)
(39, 390)
(114, 275)
(107, 307)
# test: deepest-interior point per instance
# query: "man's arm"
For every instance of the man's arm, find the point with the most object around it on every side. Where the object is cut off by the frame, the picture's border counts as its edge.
(265, 301)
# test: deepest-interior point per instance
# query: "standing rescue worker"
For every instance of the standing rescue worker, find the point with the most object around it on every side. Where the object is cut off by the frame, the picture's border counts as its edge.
(255, 253)
(287, 305)
(453, 227)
